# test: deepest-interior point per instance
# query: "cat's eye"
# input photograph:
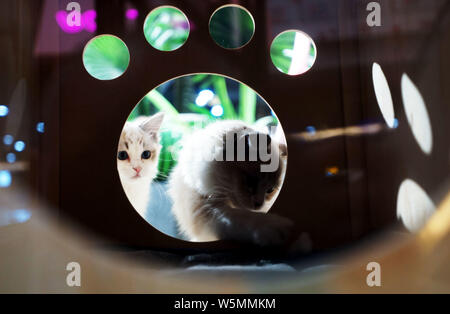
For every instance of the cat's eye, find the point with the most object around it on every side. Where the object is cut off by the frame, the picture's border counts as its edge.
(123, 155)
(146, 154)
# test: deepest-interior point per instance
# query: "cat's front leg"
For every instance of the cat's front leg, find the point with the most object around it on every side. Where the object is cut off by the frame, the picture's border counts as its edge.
(246, 226)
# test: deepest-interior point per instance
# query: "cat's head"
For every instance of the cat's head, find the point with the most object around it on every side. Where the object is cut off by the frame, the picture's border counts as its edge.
(138, 152)
(247, 185)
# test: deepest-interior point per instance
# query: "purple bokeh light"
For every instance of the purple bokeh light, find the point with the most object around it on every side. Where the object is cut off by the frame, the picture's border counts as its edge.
(88, 22)
(132, 14)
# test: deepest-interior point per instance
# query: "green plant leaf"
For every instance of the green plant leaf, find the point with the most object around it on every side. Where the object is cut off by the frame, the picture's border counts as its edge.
(220, 87)
(247, 104)
(160, 102)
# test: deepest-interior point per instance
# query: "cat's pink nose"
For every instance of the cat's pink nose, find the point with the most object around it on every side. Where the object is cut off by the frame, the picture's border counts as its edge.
(137, 169)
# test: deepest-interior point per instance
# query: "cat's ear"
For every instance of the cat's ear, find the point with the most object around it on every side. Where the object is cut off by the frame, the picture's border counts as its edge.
(153, 124)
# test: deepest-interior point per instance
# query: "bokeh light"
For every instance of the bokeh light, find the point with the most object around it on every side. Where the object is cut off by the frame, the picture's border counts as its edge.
(217, 111)
(87, 22)
(4, 110)
(11, 158)
(8, 139)
(311, 130)
(21, 215)
(19, 146)
(132, 14)
(40, 127)
(14, 216)
(396, 123)
(204, 97)
(5, 178)
(331, 171)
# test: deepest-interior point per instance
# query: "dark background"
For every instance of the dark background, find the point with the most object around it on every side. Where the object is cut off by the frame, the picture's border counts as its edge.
(73, 165)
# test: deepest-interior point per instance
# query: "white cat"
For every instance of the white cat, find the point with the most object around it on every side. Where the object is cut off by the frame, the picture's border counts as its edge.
(137, 159)
(215, 199)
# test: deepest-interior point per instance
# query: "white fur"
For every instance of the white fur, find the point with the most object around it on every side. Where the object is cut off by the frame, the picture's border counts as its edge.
(191, 180)
(138, 136)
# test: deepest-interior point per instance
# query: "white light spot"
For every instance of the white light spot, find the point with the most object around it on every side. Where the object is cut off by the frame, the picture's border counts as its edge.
(300, 54)
(155, 33)
(21, 215)
(8, 139)
(40, 127)
(4, 111)
(383, 94)
(288, 53)
(204, 97)
(217, 111)
(417, 114)
(164, 37)
(11, 158)
(5, 178)
(414, 206)
(19, 146)
(14, 216)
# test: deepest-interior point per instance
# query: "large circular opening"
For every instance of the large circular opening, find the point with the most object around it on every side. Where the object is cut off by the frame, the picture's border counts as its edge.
(197, 146)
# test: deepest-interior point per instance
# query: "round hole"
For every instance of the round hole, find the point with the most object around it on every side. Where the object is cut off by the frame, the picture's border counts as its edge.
(176, 155)
(417, 114)
(293, 52)
(166, 28)
(414, 206)
(383, 95)
(231, 26)
(106, 57)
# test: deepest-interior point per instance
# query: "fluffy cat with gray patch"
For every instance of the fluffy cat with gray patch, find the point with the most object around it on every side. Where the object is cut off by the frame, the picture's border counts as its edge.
(137, 159)
(215, 199)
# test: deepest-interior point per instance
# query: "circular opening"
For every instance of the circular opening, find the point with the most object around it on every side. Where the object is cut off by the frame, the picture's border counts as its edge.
(106, 57)
(166, 28)
(231, 26)
(417, 114)
(414, 206)
(196, 145)
(293, 52)
(383, 95)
